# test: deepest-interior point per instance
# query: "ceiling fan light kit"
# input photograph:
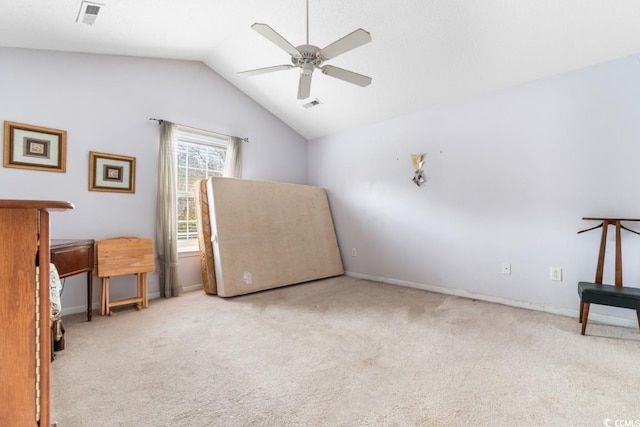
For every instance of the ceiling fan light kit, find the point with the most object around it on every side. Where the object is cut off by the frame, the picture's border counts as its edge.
(308, 57)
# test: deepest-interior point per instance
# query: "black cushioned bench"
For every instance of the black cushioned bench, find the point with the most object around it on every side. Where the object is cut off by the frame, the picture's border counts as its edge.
(615, 296)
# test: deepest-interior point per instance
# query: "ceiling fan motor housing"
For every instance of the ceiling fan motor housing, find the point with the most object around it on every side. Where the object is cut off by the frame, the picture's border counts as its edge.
(309, 55)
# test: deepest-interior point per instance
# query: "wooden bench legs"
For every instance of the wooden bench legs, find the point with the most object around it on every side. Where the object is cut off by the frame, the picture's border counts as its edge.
(599, 293)
(584, 316)
(141, 300)
(613, 296)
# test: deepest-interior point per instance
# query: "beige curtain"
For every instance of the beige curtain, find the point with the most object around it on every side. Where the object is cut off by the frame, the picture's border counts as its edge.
(233, 160)
(166, 212)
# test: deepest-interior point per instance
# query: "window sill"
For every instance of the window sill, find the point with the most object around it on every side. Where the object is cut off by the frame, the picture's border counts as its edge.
(188, 251)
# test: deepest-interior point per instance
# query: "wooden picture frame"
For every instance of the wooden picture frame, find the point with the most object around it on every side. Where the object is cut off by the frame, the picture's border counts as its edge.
(34, 147)
(112, 172)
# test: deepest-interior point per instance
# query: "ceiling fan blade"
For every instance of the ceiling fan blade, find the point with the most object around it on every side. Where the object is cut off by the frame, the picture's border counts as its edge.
(304, 85)
(346, 75)
(264, 70)
(345, 44)
(275, 38)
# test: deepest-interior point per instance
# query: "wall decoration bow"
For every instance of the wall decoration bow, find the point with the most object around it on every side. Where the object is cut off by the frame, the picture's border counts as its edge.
(418, 177)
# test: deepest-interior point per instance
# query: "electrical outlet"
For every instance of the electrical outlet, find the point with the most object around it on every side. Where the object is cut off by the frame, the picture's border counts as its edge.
(555, 274)
(506, 268)
(354, 252)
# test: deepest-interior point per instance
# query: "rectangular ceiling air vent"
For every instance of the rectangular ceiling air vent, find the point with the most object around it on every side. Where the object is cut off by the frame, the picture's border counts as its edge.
(88, 12)
(312, 103)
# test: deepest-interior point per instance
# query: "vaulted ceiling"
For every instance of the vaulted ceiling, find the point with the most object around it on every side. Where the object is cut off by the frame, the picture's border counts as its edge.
(423, 52)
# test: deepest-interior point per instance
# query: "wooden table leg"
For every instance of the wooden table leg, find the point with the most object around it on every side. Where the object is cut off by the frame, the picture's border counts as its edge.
(89, 295)
(104, 301)
(101, 297)
(140, 304)
(145, 290)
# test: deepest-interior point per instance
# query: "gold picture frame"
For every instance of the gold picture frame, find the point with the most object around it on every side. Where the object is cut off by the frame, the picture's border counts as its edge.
(112, 172)
(34, 147)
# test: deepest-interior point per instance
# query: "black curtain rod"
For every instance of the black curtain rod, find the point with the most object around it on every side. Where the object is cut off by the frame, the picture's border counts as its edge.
(204, 130)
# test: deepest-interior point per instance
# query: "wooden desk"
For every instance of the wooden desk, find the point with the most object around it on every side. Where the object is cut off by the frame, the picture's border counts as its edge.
(73, 257)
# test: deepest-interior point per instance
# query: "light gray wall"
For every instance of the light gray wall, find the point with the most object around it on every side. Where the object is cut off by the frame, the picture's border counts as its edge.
(510, 175)
(104, 103)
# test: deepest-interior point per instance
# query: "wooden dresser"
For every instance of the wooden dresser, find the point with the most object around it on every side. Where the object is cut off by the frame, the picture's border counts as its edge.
(24, 311)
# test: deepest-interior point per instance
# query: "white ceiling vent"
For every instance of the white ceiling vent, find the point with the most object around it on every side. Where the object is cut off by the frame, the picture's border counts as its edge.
(312, 103)
(88, 12)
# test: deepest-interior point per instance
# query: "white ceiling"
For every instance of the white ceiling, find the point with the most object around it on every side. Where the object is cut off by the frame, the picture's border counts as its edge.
(423, 53)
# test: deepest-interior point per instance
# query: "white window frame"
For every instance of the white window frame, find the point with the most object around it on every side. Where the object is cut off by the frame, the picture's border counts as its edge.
(191, 136)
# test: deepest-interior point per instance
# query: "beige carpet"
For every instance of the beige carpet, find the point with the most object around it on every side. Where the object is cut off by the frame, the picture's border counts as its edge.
(342, 352)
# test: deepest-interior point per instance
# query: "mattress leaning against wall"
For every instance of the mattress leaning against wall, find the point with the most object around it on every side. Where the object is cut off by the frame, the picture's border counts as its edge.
(270, 234)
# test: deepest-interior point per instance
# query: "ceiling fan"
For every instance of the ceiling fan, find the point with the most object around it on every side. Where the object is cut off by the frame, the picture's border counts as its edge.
(309, 57)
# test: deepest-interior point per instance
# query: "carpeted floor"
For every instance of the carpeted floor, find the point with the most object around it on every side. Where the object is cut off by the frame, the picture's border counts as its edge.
(342, 352)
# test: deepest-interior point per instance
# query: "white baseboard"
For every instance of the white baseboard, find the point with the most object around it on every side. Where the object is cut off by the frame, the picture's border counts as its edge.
(610, 320)
(192, 288)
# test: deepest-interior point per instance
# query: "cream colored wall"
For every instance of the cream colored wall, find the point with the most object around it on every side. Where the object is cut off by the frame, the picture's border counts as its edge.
(189, 271)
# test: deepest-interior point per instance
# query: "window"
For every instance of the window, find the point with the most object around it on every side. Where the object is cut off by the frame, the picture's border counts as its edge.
(200, 155)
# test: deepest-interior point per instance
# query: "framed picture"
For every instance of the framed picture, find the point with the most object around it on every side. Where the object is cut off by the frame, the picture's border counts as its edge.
(34, 147)
(110, 172)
